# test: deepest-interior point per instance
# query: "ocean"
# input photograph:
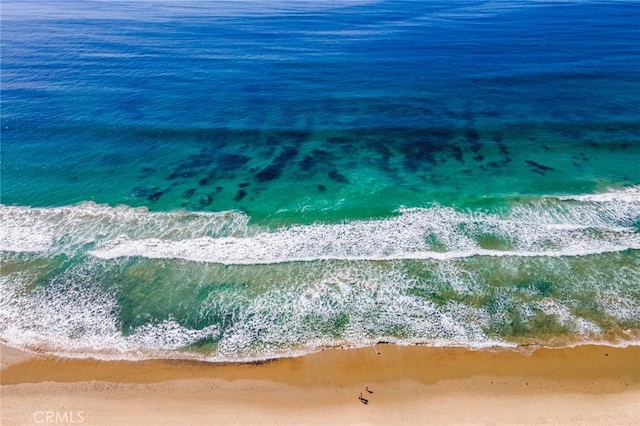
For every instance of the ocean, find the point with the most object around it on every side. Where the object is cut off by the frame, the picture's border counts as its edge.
(235, 181)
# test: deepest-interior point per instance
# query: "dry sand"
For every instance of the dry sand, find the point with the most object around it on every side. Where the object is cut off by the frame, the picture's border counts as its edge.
(411, 385)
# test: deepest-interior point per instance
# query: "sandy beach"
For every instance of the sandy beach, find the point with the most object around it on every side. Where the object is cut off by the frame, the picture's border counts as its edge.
(411, 385)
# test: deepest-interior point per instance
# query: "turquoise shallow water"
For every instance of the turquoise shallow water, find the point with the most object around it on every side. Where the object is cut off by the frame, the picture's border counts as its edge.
(255, 180)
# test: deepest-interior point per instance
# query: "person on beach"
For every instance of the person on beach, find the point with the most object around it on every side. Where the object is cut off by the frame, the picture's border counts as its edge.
(362, 399)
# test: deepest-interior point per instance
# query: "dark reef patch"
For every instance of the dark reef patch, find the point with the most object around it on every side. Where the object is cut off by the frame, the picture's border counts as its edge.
(206, 201)
(316, 161)
(339, 140)
(322, 188)
(537, 167)
(497, 138)
(441, 134)
(240, 195)
(182, 173)
(269, 173)
(383, 157)
(230, 162)
(338, 177)
(151, 193)
(205, 159)
(274, 170)
(189, 193)
(472, 135)
(147, 171)
(321, 153)
(579, 160)
(416, 154)
(307, 163)
(296, 136)
(155, 196)
(382, 149)
(473, 138)
(288, 153)
(457, 153)
(193, 165)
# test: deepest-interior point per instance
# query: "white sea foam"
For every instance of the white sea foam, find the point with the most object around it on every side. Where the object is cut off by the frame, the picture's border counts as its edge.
(258, 251)
(548, 227)
(73, 319)
(418, 233)
(19, 239)
(72, 228)
(68, 318)
(297, 309)
(564, 316)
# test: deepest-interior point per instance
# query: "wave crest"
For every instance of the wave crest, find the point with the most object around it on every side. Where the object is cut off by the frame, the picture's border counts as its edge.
(562, 226)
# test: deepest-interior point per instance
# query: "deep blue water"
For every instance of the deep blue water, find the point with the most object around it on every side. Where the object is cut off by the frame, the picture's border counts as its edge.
(204, 175)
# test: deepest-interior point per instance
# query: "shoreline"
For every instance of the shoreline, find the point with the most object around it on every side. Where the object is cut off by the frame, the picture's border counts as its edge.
(584, 384)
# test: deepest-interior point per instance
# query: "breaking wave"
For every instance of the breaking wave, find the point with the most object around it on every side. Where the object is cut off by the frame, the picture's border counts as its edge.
(562, 226)
(127, 283)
